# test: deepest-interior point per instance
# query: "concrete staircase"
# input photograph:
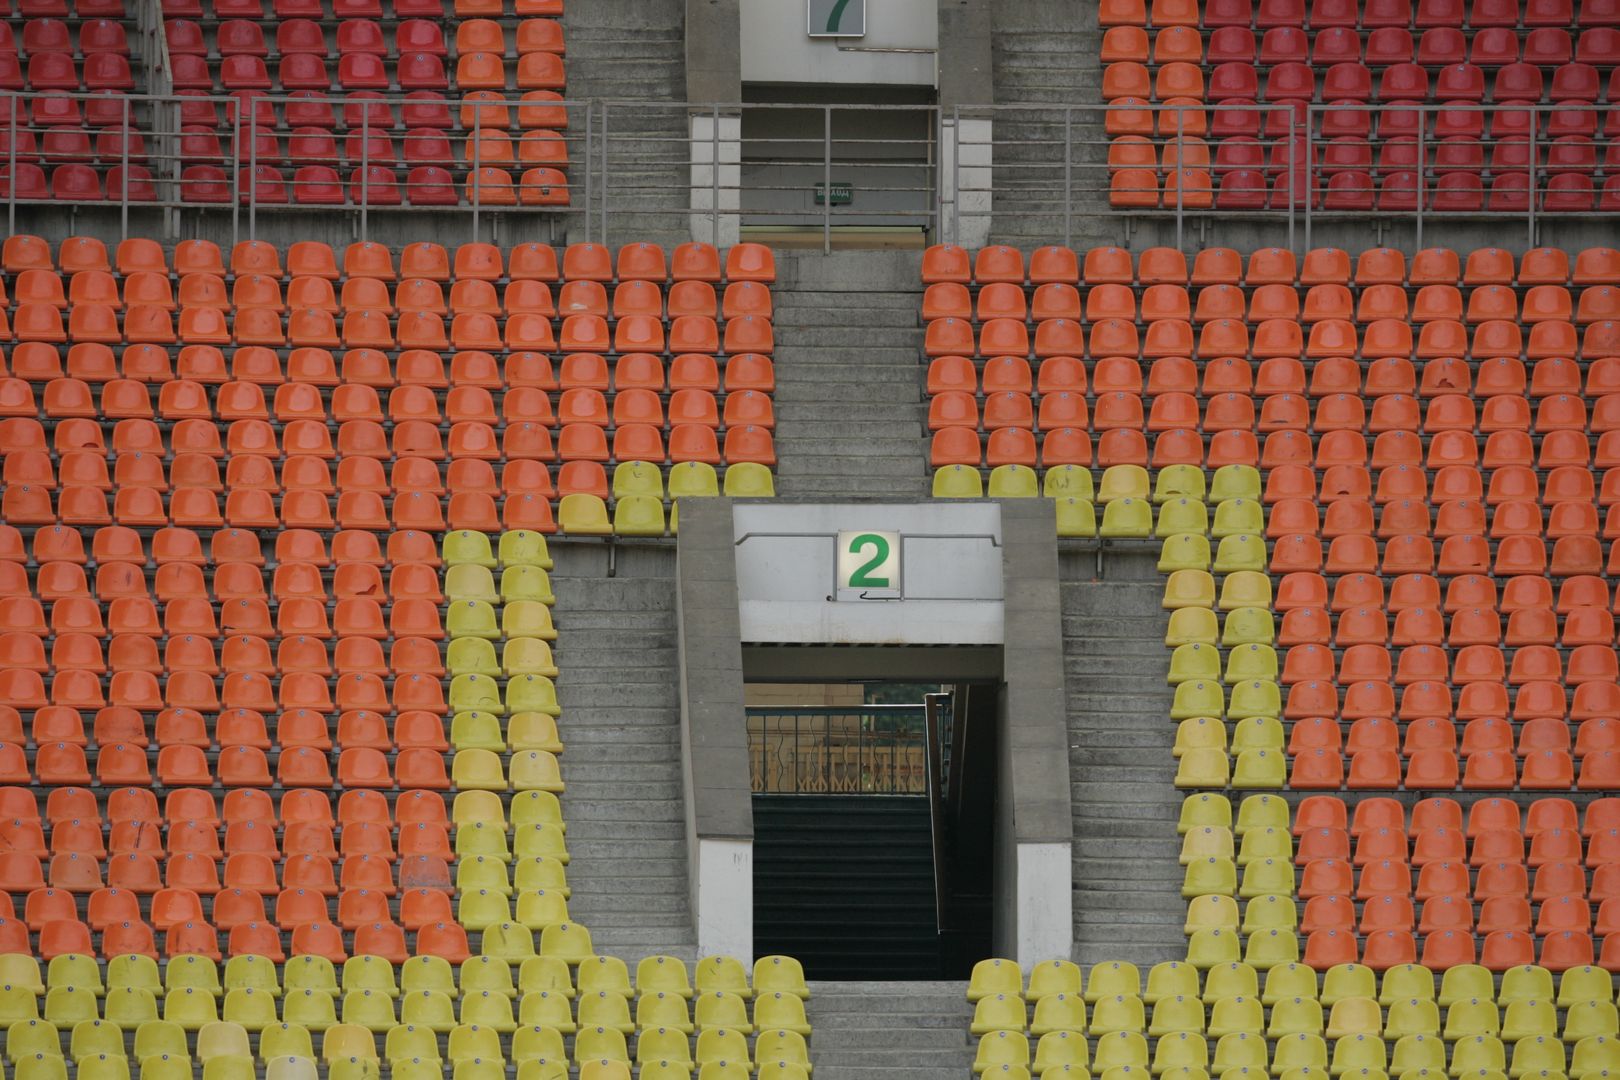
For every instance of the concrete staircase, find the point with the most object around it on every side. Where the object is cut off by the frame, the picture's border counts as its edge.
(632, 50)
(620, 726)
(1046, 54)
(890, 1030)
(849, 406)
(1127, 901)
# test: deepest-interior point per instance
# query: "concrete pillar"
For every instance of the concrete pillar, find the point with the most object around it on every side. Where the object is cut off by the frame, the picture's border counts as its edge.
(714, 79)
(1034, 909)
(966, 82)
(714, 736)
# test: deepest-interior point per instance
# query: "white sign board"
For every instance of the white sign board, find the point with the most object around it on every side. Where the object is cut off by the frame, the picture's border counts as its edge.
(836, 18)
(868, 565)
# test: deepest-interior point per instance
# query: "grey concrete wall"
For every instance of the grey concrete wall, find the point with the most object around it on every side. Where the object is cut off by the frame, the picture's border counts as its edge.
(714, 739)
(1032, 771)
(713, 51)
(965, 76)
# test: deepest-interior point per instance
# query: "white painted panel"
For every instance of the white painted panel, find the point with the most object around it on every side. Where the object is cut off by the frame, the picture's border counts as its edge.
(1045, 903)
(725, 898)
(777, 49)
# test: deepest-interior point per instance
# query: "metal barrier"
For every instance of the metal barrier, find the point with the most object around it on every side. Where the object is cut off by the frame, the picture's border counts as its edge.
(858, 750)
(706, 169)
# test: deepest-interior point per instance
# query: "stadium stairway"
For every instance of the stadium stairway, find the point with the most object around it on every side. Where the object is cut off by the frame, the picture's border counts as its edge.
(634, 50)
(1044, 54)
(1127, 903)
(623, 804)
(848, 391)
(890, 1031)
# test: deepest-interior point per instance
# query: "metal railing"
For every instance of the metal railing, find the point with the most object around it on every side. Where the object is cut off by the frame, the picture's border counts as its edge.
(856, 750)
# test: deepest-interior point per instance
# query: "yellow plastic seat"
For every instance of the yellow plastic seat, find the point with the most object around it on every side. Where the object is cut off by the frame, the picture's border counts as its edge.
(1354, 1054)
(472, 656)
(252, 1009)
(1525, 982)
(1057, 1049)
(665, 1069)
(1204, 809)
(1239, 1051)
(1178, 517)
(1464, 981)
(663, 973)
(637, 478)
(20, 972)
(1244, 589)
(1184, 551)
(472, 618)
(1233, 1015)
(1012, 482)
(1295, 1016)
(720, 1009)
(958, 482)
(1211, 841)
(1355, 1016)
(1192, 624)
(1241, 553)
(597, 1042)
(1069, 481)
(1231, 980)
(1523, 1019)
(287, 1068)
(749, 480)
(1593, 1057)
(1199, 733)
(488, 1008)
(1203, 767)
(526, 618)
(1200, 697)
(528, 656)
(526, 583)
(162, 1037)
(692, 478)
(465, 547)
(1271, 948)
(1348, 981)
(1267, 843)
(548, 1009)
(1582, 984)
(477, 730)
(1188, 589)
(1302, 1051)
(1260, 769)
(1075, 518)
(583, 515)
(1180, 1053)
(1266, 877)
(637, 515)
(1062, 1011)
(347, 1040)
(491, 973)
(1001, 1048)
(407, 1041)
(524, 547)
(1120, 1050)
(1412, 1016)
(74, 970)
(477, 770)
(1248, 626)
(1179, 482)
(1418, 1053)
(1262, 812)
(427, 1009)
(1262, 732)
(470, 581)
(1250, 662)
(998, 1012)
(1405, 982)
(314, 1009)
(1123, 482)
(431, 973)
(1209, 877)
(1210, 913)
(1234, 482)
(68, 1005)
(1127, 518)
(1485, 1052)
(995, 977)
(1239, 516)
(1053, 977)
(1465, 1019)
(1536, 1055)
(469, 1041)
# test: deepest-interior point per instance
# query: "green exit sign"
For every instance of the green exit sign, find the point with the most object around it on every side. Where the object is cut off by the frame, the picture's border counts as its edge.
(842, 194)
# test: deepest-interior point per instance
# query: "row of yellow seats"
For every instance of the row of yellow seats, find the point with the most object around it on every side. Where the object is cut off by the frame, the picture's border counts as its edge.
(1244, 1055)
(1235, 553)
(1172, 483)
(520, 547)
(1263, 768)
(1234, 629)
(476, 692)
(1254, 812)
(474, 729)
(1214, 876)
(1349, 1016)
(520, 874)
(519, 656)
(1220, 842)
(527, 770)
(1216, 912)
(518, 619)
(291, 1067)
(1209, 698)
(1195, 660)
(1196, 589)
(643, 515)
(536, 909)
(744, 480)
(470, 581)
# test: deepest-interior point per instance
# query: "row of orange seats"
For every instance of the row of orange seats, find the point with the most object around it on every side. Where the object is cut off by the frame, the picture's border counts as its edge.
(237, 766)
(1500, 950)
(1004, 300)
(1570, 556)
(1268, 266)
(1454, 913)
(303, 654)
(182, 399)
(1434, 733)
(1438, 770)
(1236, 412)
(174, 545)
(691, 261)
(386, 939)
(1533, 632)
(371, 328)
(60, 724)
(298, 473)
(1283, 337)
(1371, 814)
(1497, 376)
(39, 362)
(1409, 591)
(368, 438)
(1428, 698)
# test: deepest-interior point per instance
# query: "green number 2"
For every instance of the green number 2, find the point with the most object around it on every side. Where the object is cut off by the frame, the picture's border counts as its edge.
(862, 577)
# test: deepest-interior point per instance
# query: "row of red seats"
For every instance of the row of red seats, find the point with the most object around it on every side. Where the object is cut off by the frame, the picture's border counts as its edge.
(233, 37)
(1455, 192)
(695, 299)
(303, 805)
(375, 329)
(365, 438)
(59, 71)
(1351, 81)
(341, 9)
(641, 261)
(1431, 303)
(1267, 266)
(53, 35)
(1448, 375)
(237, 766)
(1271, 338)
(382, 938)
(1476, 15)
(1126, 446)
(361, 71)
(1291, 118)
(539, 147)
(181, 399)
(1236, 412)
(1545, 47)
(176, 545)
(109, 145)
(362, 110)
(1376, 733)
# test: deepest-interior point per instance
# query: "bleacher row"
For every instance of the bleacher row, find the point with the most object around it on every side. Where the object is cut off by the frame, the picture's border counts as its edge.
(1194, 124)
(381, 113)
(669, 374)
(1202, 1018)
